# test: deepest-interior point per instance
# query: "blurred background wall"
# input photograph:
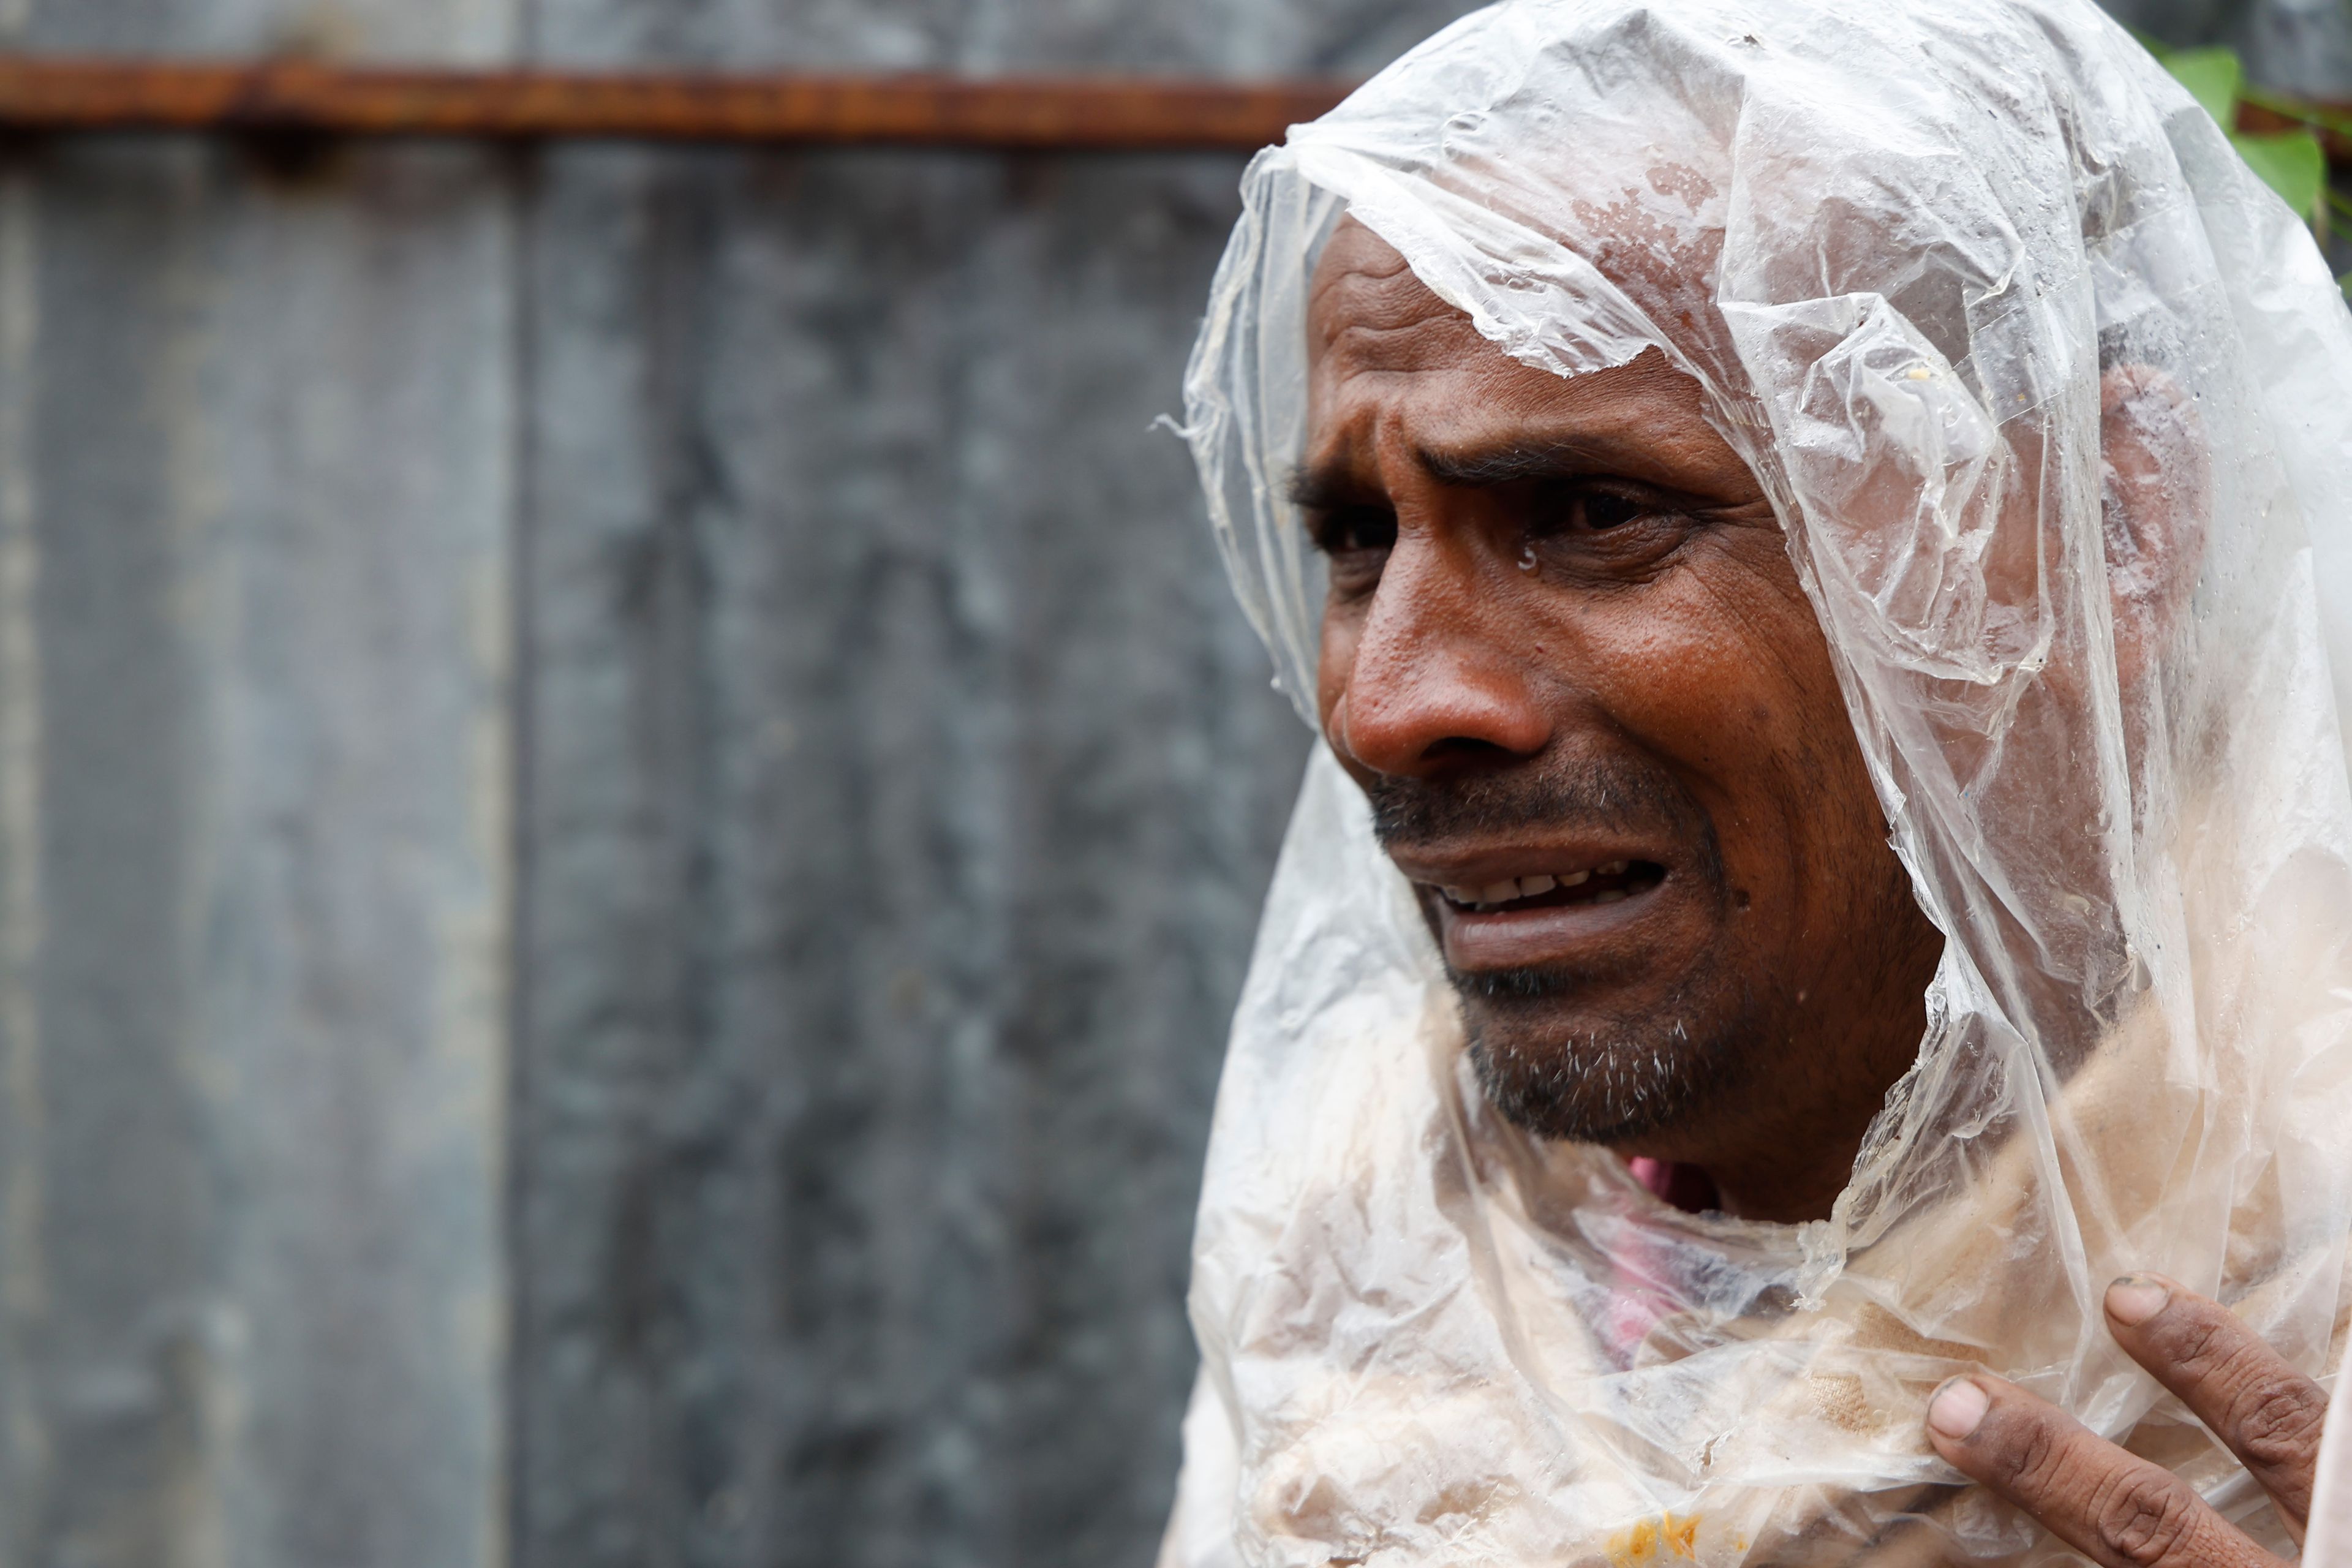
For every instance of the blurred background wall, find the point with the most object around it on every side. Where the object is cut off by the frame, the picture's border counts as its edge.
(630, 805)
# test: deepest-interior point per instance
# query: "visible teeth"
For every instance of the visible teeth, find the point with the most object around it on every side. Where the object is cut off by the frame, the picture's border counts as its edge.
(1615, 868)
(1493, 894)
(1610, 896)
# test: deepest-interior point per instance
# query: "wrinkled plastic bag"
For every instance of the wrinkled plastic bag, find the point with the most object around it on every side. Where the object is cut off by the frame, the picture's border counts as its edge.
(1903, 245)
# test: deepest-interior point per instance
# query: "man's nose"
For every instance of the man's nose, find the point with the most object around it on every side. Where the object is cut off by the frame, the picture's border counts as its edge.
(1437, 680)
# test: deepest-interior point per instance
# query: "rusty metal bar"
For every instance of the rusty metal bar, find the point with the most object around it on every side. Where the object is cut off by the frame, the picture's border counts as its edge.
(47, 95)
(2259, 120)
(296, 97)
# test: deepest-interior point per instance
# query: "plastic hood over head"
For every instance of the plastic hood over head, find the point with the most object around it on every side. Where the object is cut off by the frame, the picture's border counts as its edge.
(1920, 255)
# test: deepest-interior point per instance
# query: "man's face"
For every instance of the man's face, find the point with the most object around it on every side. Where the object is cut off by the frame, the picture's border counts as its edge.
(1567, 657)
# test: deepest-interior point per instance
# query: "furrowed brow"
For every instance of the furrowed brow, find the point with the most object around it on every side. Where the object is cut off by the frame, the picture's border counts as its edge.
(1333, 486)
(1516, 463)
(1325, 486)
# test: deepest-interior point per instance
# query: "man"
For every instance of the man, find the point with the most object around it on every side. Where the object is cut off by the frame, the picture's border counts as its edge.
(1809, 564)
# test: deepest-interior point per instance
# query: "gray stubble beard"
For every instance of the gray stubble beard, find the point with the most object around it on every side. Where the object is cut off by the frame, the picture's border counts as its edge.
(1609, 1085)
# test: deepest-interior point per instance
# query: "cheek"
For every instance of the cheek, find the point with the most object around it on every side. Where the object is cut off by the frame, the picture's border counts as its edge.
(1721, 671)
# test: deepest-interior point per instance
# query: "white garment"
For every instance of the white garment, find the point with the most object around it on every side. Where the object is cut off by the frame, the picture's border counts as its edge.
(1899, 243)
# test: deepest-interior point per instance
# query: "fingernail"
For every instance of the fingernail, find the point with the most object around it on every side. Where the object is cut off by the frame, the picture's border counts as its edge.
(1958, 1407)
(2135, 1298)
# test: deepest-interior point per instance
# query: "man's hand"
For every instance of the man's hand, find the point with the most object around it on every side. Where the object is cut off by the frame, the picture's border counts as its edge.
(2112, 1505)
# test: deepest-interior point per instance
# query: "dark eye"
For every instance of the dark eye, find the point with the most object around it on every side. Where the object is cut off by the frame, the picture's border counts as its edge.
(1596, 512)
(1603, 524)
(1581, 507)
(1355, 530)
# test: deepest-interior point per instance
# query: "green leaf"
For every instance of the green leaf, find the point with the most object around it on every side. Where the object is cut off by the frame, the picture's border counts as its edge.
(2292, 164)
(2214, 78)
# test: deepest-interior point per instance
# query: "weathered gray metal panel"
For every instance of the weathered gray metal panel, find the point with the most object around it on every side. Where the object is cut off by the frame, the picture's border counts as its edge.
(259, 437)
(270, 473)
(902, 785)
(109, 1232)
(358, 905)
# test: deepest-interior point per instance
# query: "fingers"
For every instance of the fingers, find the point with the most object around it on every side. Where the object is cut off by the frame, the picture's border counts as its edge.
(2268, 1412)
(2112, 1506)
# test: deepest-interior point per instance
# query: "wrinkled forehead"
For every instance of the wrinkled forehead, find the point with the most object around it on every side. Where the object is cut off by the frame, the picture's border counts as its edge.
(1368, 311)
(1372, 320)
(1399, 376)
(1387, 357)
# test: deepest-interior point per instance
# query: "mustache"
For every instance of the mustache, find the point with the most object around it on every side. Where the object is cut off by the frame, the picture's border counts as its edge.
(1617, 795)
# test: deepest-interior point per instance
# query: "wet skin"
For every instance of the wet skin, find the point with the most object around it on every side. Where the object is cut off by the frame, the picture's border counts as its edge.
(1565, 642)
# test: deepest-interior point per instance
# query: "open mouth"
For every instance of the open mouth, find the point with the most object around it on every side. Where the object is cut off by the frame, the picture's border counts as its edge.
(1611, 883)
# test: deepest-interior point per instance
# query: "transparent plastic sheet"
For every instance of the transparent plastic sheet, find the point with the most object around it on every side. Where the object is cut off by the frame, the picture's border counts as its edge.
(1922, 255)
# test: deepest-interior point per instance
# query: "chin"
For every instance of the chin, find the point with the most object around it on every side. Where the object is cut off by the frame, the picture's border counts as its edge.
(1552, 1064)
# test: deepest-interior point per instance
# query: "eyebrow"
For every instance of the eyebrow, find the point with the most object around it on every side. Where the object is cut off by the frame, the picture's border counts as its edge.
(1325, 486)
(1332, 486)
(1515, 462)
